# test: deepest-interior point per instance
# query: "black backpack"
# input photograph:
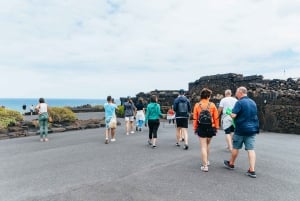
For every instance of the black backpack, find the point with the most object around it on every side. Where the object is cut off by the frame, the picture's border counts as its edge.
(205, 119)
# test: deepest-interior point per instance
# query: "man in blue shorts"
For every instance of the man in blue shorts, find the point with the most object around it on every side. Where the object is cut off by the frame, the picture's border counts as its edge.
(246, 127)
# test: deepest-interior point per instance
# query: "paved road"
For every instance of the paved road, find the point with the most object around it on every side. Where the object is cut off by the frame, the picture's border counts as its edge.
(78, 166)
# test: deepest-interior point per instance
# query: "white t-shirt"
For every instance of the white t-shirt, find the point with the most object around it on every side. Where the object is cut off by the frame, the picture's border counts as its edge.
(227, 102)
(42, 107)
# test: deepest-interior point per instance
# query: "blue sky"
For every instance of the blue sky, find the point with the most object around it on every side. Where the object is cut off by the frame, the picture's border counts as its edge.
(94, 48)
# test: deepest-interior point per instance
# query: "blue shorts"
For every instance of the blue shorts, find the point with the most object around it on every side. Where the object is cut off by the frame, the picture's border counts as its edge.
(239, 140)
(107, 120)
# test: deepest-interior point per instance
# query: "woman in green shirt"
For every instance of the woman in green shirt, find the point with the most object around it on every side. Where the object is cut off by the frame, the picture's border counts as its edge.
(152, 119)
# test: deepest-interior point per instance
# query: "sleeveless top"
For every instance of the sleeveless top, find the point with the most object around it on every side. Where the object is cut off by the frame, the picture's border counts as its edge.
(43, 108)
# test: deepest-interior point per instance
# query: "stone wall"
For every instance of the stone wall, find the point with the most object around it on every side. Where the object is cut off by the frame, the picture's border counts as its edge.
(165, 98)
(278, 101)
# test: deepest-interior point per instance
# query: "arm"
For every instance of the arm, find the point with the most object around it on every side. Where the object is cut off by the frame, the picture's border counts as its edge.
(159, 112)
(215, 116)
(220, 110)
(195, 117)
(233, 115)
(146, 117)
(48, 110)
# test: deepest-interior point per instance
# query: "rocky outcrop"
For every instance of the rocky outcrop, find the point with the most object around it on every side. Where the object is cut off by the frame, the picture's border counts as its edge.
(165, 98)
(278, 101)
(29, 128)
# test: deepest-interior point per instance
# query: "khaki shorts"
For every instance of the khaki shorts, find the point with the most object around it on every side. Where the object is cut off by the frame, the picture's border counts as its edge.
(131, 118)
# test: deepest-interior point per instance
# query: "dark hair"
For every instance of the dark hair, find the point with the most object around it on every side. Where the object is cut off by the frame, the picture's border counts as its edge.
(140, 100)
(153, 99)
(181, 91)
(205, 93)
(41, 100)
(108, 98)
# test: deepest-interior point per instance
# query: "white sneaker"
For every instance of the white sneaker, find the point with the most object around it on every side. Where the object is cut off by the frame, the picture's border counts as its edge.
(127, 133)
(204, 168)
(132, 132)
(113, 140)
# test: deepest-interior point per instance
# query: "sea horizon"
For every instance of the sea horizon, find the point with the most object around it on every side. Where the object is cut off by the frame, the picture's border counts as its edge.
(17, 103)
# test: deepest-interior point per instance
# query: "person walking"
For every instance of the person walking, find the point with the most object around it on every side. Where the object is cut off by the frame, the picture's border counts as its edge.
(110, 115)
(43, 112)
(129, 108)
(226, 104)
(24, 106)
(245, 116)
(206, 123)
(182, 108)
(171, 115)
(152, 120)
(140, 114)
(31, 110)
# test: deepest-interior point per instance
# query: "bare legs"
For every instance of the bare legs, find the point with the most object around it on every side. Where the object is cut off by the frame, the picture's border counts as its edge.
(178, 134)
(229, 141)
(110, 132)
(129, 127)
(251, 158)
(205, 148)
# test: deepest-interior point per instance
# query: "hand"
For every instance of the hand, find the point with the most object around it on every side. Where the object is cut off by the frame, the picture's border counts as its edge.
(145, 125)
(228, 111)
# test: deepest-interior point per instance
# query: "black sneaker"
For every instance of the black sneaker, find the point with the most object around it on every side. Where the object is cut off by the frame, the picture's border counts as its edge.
(177, 144)
(251, 174)
(185, 147)
(136, 128)
(154, 146)
(227, 165)
(106, 141)
(140, 129)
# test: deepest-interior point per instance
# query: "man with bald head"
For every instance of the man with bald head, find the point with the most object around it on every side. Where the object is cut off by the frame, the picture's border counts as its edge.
(227, 103)
(245, 116)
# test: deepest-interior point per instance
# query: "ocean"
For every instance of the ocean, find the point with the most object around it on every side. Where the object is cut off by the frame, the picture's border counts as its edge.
(17, 103)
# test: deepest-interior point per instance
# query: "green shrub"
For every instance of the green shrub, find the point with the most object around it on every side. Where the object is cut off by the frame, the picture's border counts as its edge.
(9, 117)
(62, 114)
(120, 111)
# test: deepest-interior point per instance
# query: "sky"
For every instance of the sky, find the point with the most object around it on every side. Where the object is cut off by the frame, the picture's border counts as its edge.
(96, 48)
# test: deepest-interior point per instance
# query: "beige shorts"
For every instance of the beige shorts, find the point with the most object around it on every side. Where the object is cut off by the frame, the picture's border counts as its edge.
(131, 118)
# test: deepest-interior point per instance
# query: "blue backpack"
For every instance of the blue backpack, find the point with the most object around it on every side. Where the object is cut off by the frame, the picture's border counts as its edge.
(182, 109)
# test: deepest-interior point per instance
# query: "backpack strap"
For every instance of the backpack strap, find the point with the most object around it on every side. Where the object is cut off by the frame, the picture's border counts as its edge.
(208, 106)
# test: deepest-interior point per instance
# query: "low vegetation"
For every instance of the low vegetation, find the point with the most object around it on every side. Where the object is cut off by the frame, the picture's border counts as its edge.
(9, 117)
(62, 114)
(120, 111)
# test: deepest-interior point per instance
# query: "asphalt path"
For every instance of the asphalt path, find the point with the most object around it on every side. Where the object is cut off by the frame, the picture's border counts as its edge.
(78, 166)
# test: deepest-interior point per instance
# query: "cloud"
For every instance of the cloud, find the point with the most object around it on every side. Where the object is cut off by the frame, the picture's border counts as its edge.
(92, 48)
